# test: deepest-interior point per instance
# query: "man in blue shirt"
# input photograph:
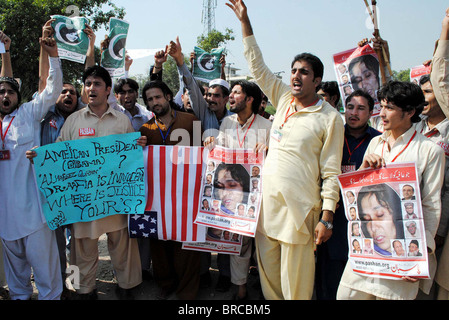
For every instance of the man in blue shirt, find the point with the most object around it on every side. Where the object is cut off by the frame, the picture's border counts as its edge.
(333, 254)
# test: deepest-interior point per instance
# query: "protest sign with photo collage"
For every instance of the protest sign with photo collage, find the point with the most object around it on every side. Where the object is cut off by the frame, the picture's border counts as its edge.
(386, 234)
(358, 68)
(231, 195)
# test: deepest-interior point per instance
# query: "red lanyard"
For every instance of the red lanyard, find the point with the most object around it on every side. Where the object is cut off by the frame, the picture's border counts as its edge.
(3, 136)
(244, 137)
(401, 150)
(287, 116)
(349, 150)
(430, 133)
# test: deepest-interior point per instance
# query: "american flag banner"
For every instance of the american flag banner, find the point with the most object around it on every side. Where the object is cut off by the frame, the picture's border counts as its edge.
(173, 187)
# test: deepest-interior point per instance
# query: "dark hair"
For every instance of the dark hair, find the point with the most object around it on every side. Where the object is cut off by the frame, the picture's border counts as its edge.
(387, 198)
(158, 84)
(118, 87)
(14, 85)
(370, 62)
(238, 173)
(314, 61)
(251, 89)
(405, 95)
(424, 79)
(98, 71)
(331, 88)
(364, 94)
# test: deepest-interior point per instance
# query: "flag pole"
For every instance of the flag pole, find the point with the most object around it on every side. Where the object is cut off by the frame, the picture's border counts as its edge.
(380, 53)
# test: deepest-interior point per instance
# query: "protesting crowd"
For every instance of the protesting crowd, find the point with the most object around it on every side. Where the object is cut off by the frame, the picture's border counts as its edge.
(300, 249)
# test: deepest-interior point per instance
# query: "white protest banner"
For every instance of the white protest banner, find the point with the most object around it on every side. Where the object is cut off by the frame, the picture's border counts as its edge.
(72, 42)
(358, 68)
(89, 179)
(231, 191)
(386, 233)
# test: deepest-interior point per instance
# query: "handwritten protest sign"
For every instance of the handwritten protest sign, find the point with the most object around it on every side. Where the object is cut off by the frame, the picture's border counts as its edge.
(206, 65)
(232, 206)
(113, 58)
(72, 42)
(386, 233)
(358, 68)
(89, 179)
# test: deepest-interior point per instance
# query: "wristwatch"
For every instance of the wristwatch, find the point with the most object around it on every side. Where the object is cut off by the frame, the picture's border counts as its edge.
(327, 224)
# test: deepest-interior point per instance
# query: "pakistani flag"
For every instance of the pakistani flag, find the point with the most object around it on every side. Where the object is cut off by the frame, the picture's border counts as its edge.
(72, 42)
(113, 58)
(207, 66)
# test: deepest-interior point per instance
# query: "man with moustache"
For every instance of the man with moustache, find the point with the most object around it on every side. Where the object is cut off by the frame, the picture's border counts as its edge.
(304, 159)
(174, 269)
(248, 130)
(211, 110)
(28, 243)
(333, 255)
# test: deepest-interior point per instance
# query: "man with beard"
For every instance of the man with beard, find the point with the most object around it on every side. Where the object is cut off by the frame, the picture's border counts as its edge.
(333, 255)
(211, 110)
(248, 130)
(174, 269)
(27, 241)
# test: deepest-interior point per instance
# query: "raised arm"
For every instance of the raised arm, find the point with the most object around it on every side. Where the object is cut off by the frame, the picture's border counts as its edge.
(439, 76)
(6, 57)
(90, 56)
(47, 32)
(241, 12)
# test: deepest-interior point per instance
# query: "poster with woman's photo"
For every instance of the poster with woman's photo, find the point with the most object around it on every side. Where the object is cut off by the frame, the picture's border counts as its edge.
(358, 68)
(231, 191)
(217, 241)
(386, 234)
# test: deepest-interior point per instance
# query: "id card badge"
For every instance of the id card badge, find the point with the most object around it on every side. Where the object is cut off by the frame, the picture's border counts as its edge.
(5, 155)
(277, 135)
(351, 167)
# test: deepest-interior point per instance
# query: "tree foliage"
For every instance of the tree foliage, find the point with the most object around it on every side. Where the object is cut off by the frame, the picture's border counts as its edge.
(215, 39)
(403, 75)
(22, 21)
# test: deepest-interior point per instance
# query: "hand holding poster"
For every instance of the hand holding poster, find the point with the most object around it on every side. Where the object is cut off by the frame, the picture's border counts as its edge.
(89, 179)
(386, 234)
(231, 191)
(113, 57)
(72, 42)
(358, 68)
(206, 65)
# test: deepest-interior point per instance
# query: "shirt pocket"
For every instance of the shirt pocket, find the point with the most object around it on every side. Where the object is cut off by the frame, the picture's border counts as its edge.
(23, 133)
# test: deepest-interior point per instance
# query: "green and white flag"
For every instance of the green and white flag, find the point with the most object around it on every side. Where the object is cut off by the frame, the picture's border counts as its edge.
(207, 65)
(113, 58)
(72, 42)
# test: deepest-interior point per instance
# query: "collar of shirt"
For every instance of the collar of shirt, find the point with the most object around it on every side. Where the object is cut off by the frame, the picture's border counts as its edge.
(442, 128)
(162, 125)
(369, 130)
(108, 111)
(247, 123)
(313, 108)
(400, 141)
